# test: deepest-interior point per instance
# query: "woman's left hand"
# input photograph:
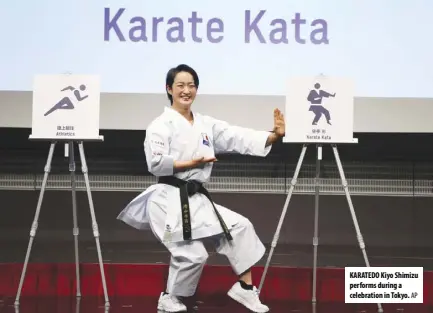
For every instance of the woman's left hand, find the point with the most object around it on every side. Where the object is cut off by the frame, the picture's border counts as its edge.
(279, 123)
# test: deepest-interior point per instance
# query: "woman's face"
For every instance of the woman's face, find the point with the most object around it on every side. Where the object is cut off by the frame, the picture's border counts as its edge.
(183, 90)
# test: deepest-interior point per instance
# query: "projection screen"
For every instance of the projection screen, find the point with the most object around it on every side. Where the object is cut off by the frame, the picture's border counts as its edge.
(244, 51)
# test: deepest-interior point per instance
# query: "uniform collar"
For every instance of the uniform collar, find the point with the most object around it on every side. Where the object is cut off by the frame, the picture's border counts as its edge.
(169, 110)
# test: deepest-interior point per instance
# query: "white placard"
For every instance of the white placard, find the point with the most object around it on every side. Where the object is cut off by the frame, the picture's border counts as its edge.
(66, 106)
(319, 110)
(384, 285)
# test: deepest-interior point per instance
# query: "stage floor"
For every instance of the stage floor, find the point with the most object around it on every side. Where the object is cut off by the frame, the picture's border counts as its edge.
(208, 305)
(137, 273)
(49, 251)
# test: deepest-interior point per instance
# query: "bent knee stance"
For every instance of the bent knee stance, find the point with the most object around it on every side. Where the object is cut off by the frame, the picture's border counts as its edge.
(191, 254)
(243, 230)
(245, 250)
(186, 266)
(195, 259)
(245, 223)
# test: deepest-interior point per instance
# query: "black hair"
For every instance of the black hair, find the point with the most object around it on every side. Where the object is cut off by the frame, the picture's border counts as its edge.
(171, 75)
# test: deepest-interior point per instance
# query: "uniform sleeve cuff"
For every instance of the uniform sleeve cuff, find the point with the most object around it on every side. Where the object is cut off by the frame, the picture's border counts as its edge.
(260, 148)
(167, 165)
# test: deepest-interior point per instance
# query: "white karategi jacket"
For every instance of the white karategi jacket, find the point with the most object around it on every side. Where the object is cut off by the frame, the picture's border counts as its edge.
(171, 137)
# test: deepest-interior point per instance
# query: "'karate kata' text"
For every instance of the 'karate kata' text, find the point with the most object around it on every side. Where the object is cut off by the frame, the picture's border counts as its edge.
(319, 134)
(259, 27)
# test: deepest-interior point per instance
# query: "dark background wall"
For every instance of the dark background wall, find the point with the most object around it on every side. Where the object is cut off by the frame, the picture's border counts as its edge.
(122, 151)
(384, 221)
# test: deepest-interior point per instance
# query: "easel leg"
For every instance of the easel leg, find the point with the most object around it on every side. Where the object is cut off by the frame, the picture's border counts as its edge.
(316, 219)
(78, 305)
(352, 211)
(34, 226)
(283, 215)
(94, 223)
(74, 213)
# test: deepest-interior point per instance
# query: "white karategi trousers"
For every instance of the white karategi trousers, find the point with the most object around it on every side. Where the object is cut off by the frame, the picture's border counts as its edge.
(189, 257)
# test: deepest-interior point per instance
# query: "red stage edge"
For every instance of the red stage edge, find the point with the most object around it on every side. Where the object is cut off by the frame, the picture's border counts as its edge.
(148, 280)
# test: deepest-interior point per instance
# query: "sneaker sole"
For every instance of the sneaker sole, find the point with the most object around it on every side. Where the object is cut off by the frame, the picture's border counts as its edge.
(160, 308)
(235, 297)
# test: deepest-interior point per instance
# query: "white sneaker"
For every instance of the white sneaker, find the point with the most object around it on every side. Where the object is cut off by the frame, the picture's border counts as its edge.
(169, 303)
(248, 298)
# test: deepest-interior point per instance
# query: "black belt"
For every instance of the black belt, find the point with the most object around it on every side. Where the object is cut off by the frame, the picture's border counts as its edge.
(189, 188)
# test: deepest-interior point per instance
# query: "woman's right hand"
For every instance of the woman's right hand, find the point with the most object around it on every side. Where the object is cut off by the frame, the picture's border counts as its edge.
(203, 160)
(181, 165)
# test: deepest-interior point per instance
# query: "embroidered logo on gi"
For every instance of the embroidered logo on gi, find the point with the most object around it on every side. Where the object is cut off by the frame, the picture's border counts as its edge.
(157, 143)
(206, 140)
(167, 234)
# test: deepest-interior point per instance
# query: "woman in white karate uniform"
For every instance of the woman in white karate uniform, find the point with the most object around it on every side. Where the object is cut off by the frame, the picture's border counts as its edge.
(180, 149)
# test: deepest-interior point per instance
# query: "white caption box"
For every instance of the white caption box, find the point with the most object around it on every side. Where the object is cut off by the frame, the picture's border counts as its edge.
(383, 285)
